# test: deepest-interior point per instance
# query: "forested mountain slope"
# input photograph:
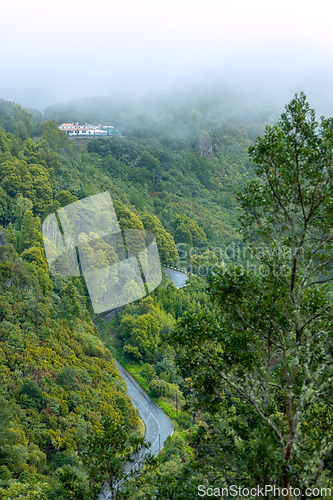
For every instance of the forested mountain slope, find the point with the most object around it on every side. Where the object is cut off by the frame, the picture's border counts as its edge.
(176, 174)
(161, 166)
(57, 378)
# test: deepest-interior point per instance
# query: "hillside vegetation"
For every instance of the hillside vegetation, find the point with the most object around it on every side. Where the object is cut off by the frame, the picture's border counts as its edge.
(161, 168)
(176, 173)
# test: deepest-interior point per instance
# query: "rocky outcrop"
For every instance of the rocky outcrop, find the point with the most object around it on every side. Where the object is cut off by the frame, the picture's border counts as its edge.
(2, 238)
(204, 145)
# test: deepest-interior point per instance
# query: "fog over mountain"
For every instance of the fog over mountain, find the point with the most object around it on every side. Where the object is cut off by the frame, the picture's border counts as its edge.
(59, 51)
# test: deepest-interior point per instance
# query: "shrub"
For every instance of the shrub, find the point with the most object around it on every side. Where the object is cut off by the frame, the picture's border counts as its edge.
(132, 352)
(31, 395)
(155, 388)
(67, 457)
(184, 420)
(67, 377)
(148, 372)
(5, 473)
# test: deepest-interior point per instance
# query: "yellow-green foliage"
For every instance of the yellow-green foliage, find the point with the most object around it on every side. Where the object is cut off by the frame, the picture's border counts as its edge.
(23, 491)
(29, 173)
(57, 378)
(126, 218)
(165, 242)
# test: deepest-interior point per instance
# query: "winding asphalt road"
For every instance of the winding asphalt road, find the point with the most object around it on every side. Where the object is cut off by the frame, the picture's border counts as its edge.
(157, 424)
(178, 279)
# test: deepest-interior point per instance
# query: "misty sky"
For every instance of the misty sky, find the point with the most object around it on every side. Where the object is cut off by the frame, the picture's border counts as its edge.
(59, 50)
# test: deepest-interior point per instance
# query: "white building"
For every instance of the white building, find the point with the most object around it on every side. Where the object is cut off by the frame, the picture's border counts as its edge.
(82, 130)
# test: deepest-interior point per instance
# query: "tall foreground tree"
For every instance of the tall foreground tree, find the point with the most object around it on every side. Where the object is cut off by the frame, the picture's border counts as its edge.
(269, 361)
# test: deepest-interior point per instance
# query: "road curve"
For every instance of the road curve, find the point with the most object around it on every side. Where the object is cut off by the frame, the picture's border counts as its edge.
(158, 424)
(178, 278)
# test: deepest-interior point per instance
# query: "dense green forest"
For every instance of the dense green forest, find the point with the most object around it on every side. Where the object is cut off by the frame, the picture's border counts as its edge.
(58, 378)
(241, 361)
(163, 168)
(49, 317)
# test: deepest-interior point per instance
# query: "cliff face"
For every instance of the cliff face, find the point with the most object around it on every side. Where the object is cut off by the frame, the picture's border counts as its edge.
(204, 145)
